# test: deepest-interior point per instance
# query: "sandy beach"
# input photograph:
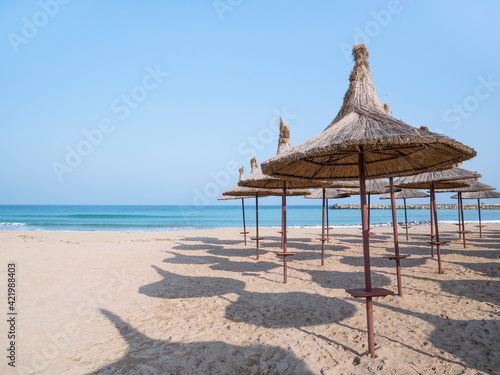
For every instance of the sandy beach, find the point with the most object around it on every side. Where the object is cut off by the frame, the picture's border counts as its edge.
(197, 302)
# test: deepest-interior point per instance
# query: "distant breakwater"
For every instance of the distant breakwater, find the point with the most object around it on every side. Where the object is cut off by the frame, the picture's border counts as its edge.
(338, 206)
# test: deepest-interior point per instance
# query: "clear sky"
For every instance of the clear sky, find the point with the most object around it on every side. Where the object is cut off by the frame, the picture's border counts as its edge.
(159, 102)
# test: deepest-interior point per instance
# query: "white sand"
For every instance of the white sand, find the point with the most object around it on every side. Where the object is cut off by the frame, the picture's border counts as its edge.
(197, 302)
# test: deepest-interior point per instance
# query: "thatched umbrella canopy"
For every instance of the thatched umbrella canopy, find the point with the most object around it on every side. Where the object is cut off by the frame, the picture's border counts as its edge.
(364, 142)
(474, 186)
(260, 180)
(448, 179)
(453, 178)
(330, 193)
(479, 195)
(406, 194)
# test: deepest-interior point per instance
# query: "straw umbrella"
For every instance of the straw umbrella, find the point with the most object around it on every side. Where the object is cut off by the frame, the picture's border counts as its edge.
(256, 192)
(487, 194)
(238, 192)
(324, 195)
(448, 179)
(406, 194)
(364, 142)
(257, 179)
(474, 186)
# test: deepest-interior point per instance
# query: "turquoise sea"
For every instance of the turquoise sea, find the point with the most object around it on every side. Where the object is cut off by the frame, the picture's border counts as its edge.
(159, 218)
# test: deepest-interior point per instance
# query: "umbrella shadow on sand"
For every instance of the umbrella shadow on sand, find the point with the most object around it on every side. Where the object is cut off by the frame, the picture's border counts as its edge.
(488, 269)
(344, 280)
(218, 263)
(270, 310)
(473, 341)
(383, 262)
(146, 355)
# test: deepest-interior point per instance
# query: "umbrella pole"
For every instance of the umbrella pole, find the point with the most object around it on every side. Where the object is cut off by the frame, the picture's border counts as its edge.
(463, 218)
(459, 218)
(323, 232)
(244, 223)
(406, 220)
(327, 223)
(366, 254)
(257, 222)
(395, 233)
(438, 245)
(369, 211)
(479, 213)
(282, 214)
(431, 203)
(285, 258)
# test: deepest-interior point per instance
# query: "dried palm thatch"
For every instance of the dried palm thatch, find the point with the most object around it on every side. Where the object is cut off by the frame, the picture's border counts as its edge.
(330, 193)
(376, 186)
(449, 179)
(229, 197)
(239, 191)
(474, 186)
(260, 180)
(406, 194)
(488, 194)
(390, 147)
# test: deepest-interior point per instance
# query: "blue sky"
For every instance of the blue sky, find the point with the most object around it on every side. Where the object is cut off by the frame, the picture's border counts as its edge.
(128, 102)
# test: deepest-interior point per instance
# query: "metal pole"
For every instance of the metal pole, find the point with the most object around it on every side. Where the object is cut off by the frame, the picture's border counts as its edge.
(479, 212)
(327, 223)
(369, 211)
(438, 246)
(432, 224)
(257, 221)
(459, 218)
(395, 233)
(282, 214)
(284, 233)
(463, 218)
(244, 224)
(406, 220)
(366, 254)
(323, 232)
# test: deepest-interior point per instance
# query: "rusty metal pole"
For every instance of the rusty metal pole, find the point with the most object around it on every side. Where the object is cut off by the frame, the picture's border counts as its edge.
(479, 213)
(257, 222)
(323, 232)
(366, 254)
(463, 218)
(395, 233)
(282, 214)
(369, 212)
(431, 209)
(327, 223)
(436, 226)
(284, 234)
(406, 220)
(459, 218)
(244, 223)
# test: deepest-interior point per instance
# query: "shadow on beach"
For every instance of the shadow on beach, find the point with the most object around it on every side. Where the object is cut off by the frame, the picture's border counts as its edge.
(146, 355)
(473, 341)
(270, 310)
